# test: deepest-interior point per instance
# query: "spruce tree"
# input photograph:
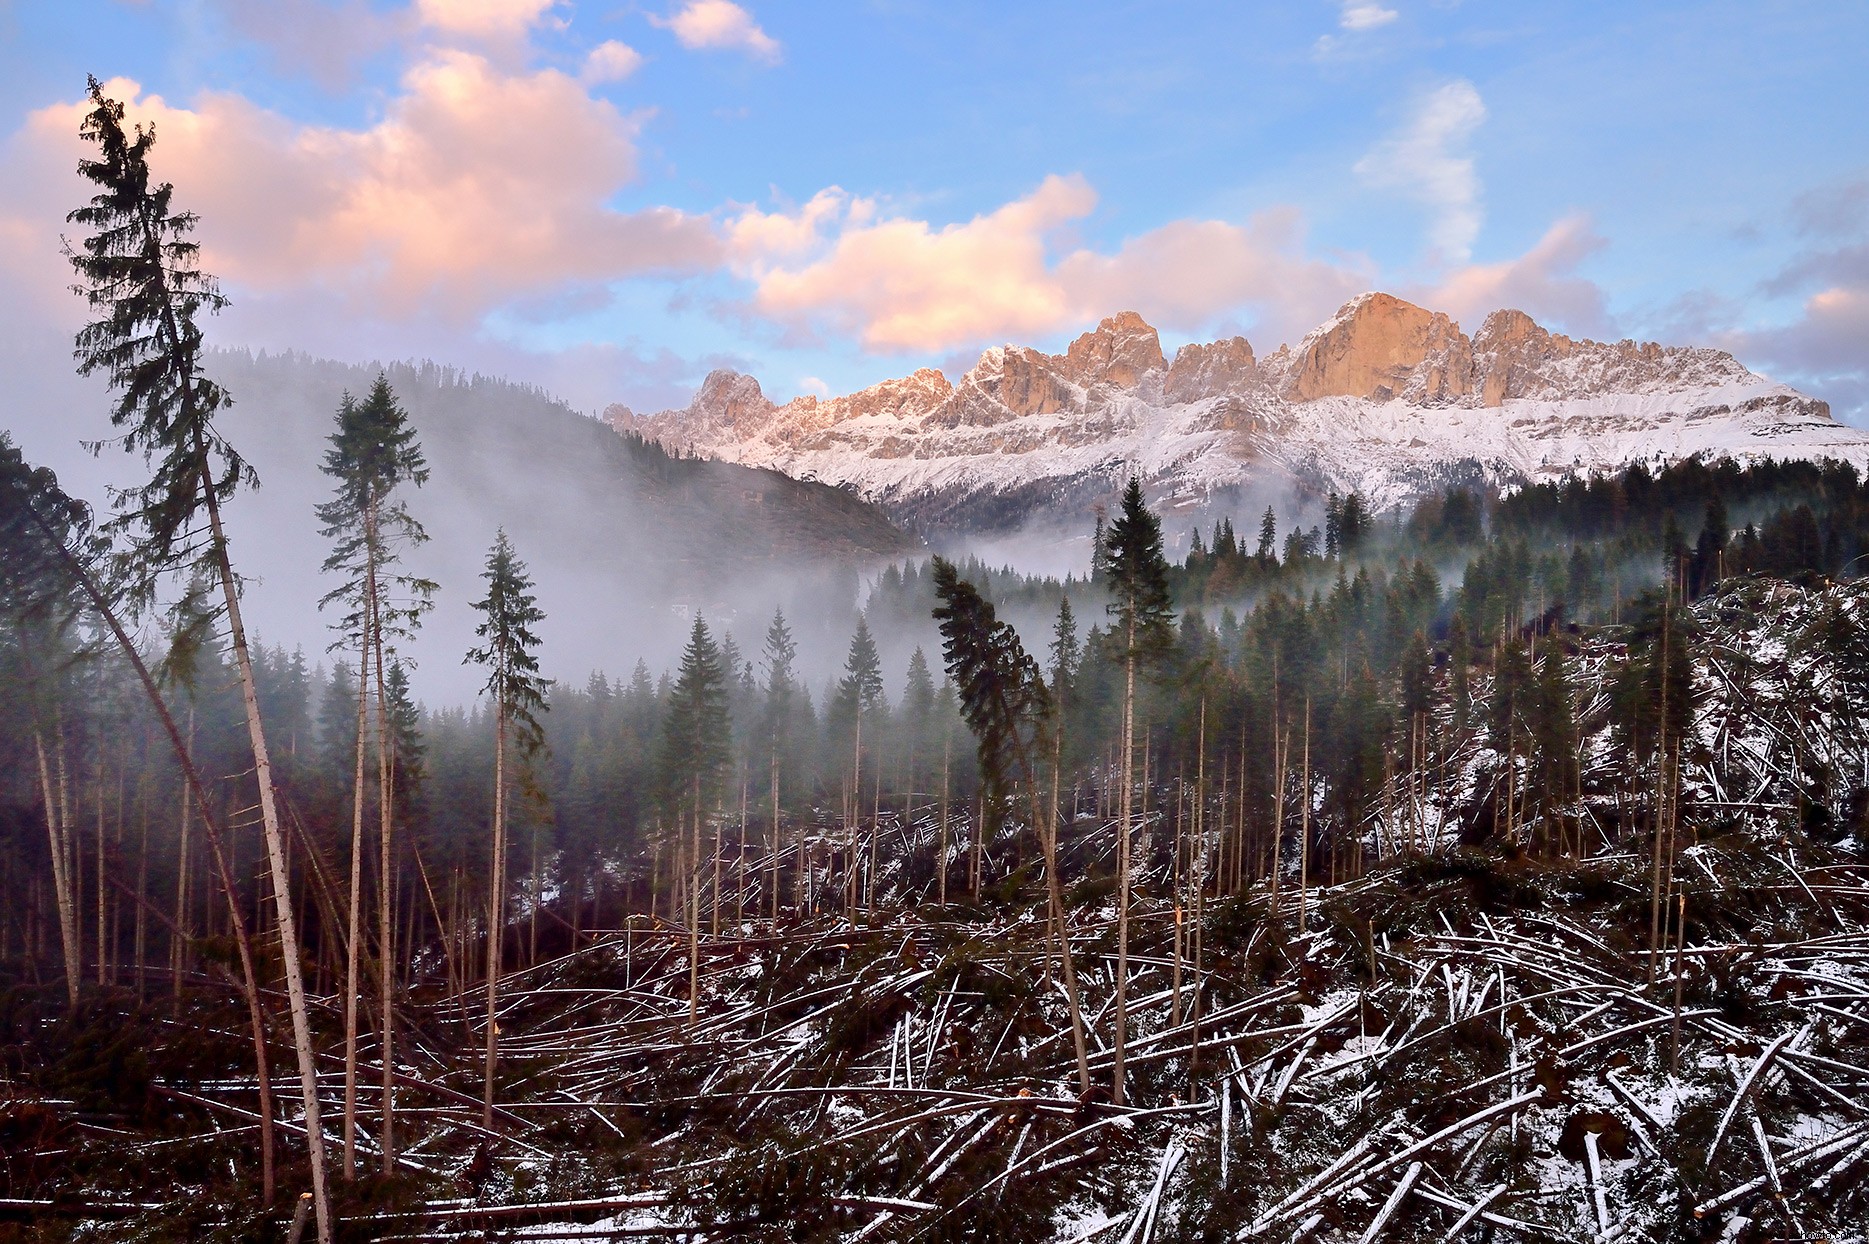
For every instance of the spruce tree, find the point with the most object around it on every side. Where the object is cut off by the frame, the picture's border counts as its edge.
(508, 651)
(860, 690)
(1005, 702)
(697, 737)
(779, 658)
(1065, 650)
(139, 271)
(373, 451)
(1141, 633)
(918, 707)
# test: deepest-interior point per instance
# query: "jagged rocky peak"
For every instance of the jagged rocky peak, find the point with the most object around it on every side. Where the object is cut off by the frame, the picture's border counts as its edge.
(1120, 351)
(1008, 382)
(1210, 369)
(1378, 347)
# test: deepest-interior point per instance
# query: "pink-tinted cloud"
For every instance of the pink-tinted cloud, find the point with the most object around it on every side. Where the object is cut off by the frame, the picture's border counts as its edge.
(1543, 283)
(610, 61)
(476, 186)
(1188, 272)
(485, 19)
(1825, 349)
(709, 24)
(902, 284)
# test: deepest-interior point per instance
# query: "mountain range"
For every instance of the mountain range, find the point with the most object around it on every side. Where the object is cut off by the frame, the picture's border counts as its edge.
(1385, 398)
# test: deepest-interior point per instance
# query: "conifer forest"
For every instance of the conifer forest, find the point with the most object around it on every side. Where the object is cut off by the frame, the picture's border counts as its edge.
(1495, 867)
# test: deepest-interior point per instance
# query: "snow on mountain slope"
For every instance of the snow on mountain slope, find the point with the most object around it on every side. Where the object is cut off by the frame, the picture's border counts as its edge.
(1386, 398)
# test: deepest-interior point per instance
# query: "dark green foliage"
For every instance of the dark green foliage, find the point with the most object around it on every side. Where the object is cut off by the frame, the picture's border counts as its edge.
(1140, 607)
(1002, 695)
(139, 269)
(697, 727)
(508, 647)
(373, 452)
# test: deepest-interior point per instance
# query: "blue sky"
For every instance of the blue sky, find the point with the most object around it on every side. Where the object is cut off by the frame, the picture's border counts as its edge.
(612, 198)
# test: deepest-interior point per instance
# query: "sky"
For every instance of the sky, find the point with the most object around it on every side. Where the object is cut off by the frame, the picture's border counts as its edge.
(612, 198)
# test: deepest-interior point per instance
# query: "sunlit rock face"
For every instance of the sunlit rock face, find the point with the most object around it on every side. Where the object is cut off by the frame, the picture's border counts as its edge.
(1385, 397)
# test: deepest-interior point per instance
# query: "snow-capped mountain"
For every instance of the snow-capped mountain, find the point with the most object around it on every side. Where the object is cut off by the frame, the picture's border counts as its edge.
(1386, 398)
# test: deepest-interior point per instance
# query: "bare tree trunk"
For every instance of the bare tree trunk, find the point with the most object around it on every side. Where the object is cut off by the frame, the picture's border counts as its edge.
(276, 861)
(56, 836)
(385, 872)
(1304, 823)
(103, 931)
(1660, 808)
(947, 755)
(353, 946)
(694, 909)
(852, 802)
(496, 909)
(1127, 796)
(1058, 924)
(773, 841)
(142, 880)
(178, 939)
(1200, 890)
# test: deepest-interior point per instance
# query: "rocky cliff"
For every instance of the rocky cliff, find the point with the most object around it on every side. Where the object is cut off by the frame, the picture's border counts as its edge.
(1385, 397)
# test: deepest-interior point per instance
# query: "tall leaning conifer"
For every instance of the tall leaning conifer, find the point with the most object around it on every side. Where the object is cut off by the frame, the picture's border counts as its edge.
(140, 274)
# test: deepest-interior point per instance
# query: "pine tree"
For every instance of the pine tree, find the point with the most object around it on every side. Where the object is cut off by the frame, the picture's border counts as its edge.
(859, 691)
(1065, 651)
(779, 658)
(918, 708)
(1006, 704)
(140, 271)
(696, 752)
(373, 452)
(1141, 634)
(508, 651)
(1268, 533)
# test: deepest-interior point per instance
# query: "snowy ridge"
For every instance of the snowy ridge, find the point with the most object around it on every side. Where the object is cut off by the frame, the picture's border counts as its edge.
(1386, 398)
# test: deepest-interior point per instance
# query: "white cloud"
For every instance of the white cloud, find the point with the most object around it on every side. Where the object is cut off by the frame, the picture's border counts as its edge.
(719, 24)
(1362, 15)
(1428, 160)
(610, 61)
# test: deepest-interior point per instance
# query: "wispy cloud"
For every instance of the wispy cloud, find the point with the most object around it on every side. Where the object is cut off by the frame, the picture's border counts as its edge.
(485, 19)
(707, 24)
(1362, 15)
(1429, 161)
(1543, 282)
